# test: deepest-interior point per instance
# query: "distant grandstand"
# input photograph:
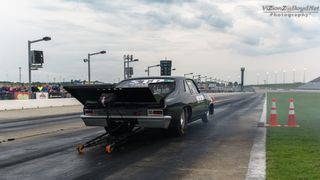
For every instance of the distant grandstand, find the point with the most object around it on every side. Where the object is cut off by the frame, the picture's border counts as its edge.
(312, 85)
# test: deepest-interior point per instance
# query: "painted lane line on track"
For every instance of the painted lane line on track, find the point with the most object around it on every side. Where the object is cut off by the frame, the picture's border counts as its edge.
(263, 118)
(257, 161)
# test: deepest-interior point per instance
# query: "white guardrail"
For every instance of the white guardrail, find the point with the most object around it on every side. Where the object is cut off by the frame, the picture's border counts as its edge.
(37, 103)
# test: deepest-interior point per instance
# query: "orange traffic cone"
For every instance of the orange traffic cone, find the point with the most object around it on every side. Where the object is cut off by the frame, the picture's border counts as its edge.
(273, 115)
(292, 116)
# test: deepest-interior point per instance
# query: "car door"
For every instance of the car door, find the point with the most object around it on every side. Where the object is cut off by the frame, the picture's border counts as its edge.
(190, 99)
(198, 99)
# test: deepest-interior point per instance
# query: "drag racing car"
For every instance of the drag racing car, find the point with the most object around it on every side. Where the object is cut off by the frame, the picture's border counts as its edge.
(168, 103)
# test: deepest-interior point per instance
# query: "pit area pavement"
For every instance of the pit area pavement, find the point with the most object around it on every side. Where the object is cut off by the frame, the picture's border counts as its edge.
(14, 124)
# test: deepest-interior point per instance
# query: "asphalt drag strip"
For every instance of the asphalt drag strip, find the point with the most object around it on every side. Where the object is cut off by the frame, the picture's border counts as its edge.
(217, 150)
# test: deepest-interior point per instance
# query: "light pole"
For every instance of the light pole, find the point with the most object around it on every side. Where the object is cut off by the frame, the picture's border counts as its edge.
(126, 66)
(304, 74)
(46, 38)
(293, 75)
(19, 74)
(187, 74)
(208, 78)
(267, 77)
(88, 61)
(193, 77)
(284, 76)
(219, 82)
(203, 77)
(276, 77)
(148, 70)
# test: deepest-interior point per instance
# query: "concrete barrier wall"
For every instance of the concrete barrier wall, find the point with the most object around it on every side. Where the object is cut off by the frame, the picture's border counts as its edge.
(228, 94)
(37, 103)
(41, 103)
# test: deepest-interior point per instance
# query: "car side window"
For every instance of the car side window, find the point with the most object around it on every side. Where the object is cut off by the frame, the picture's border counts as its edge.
(192, 86)
(186, 87)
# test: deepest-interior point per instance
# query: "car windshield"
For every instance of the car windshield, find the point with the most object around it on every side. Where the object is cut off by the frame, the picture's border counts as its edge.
(159, 87)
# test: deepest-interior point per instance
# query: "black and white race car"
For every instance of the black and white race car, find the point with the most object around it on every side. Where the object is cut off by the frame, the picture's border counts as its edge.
(150, 102)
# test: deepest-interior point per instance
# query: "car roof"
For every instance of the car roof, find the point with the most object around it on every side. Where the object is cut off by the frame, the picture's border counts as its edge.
(160, 77)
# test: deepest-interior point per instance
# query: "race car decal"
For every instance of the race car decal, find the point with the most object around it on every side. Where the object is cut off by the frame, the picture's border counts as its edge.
(200, 98)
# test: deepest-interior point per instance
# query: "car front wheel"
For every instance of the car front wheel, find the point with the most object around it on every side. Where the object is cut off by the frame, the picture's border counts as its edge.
(205, 118)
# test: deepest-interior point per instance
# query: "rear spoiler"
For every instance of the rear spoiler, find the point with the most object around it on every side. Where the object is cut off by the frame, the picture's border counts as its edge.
(92, 93)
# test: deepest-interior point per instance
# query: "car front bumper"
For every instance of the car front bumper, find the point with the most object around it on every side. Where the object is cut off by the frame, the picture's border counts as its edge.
(142, 121)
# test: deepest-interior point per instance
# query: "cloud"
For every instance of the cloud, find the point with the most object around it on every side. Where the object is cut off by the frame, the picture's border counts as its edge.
(96, 4)
(151, 30)
(166, 1)
(254, 33)
(214, 16)
(257, 33)
(160, 19)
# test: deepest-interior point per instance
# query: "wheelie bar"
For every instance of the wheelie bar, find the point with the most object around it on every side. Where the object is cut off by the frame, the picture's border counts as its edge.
(119, 140)
(93, 142)
(112, 141)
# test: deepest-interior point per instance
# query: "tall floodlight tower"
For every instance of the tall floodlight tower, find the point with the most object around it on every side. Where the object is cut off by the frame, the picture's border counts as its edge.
(242, 77)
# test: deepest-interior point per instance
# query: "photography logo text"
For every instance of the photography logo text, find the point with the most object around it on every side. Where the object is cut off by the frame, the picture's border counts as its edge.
(290, 10)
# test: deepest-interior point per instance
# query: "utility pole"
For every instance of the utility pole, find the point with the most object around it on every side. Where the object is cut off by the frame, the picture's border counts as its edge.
(89, 72)
(126, 66)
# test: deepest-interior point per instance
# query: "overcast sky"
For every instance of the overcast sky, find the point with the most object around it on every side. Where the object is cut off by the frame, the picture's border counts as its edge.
(212, 38)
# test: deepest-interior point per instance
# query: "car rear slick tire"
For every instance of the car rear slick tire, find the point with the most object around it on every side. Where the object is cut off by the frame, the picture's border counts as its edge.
(181, 125)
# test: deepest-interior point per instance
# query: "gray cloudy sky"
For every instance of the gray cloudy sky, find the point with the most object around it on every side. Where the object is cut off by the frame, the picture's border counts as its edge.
(213, 38)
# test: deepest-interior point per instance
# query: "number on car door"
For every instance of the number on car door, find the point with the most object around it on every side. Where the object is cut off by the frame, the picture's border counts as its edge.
(199, 100)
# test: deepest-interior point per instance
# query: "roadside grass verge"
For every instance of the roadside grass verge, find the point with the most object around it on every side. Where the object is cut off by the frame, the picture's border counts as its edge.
(294, 153)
